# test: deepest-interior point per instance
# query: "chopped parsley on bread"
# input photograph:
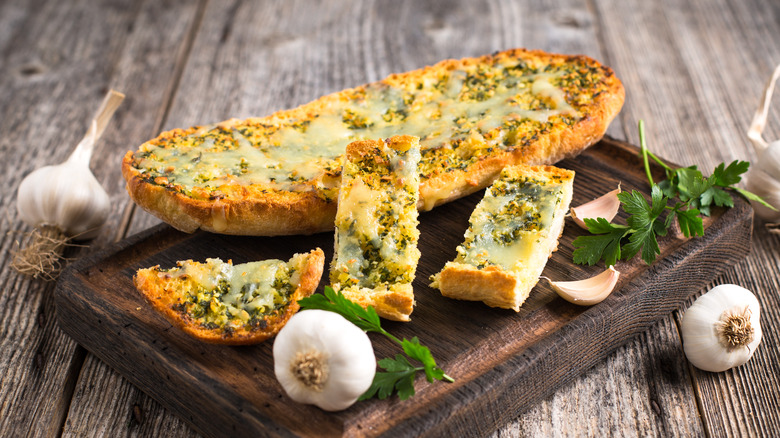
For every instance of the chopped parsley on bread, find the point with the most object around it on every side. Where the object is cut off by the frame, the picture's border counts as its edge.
(512, 232)
(222, 303)
(279, 174)
(376, 225)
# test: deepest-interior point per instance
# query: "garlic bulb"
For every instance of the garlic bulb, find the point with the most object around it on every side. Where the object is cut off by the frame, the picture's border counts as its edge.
(320, 358)
(722, 329)
(66, 196)
(764, 178)
(63, 202)
(605, 206)
(587, 292)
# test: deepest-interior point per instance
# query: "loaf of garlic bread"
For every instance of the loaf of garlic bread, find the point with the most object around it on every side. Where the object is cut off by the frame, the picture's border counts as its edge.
(279, 174)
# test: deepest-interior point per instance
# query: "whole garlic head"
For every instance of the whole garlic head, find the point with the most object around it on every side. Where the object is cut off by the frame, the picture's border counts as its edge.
(66, 196)
(722, 329)
(320, 358)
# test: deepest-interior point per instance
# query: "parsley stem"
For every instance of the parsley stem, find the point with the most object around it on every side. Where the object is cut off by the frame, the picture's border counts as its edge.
(643, 148)
(646, 152)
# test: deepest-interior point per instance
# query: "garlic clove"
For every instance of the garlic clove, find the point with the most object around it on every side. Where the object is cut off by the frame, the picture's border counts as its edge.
(587, 292)
(722, 328)
(605, 206)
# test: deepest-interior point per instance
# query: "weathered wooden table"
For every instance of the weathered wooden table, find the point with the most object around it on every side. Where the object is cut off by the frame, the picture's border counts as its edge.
(693, 71)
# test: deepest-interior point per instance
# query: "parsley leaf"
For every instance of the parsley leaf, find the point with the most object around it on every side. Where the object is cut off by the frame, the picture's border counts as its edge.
(399, 372)
(399, 376)
(604, 243)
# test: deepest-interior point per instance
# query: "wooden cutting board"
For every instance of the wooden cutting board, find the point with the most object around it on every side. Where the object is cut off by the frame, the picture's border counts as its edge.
(502, 362)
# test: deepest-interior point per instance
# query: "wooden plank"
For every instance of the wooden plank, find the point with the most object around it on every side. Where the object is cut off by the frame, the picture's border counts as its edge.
(54, 71)
(634, 392)
(147, 69)
(697, 87)
(503, 362)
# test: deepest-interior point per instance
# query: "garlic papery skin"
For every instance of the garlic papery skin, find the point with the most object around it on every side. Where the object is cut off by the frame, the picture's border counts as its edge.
(320, 358)
(587, 292)
(767, 187)
(721, 330)
(764, 178)
(605, 206)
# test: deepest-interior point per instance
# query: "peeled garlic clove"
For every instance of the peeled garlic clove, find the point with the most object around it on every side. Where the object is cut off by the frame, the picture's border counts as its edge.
(722, 329)
(589, 291)
(605, 206)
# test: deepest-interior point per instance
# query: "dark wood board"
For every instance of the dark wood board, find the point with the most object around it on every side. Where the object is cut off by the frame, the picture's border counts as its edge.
(502, 361)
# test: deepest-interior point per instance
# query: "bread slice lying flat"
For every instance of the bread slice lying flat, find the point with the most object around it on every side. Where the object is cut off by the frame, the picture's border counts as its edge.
(376, 225)
(512, 232)
(280, 174)
(220, 303)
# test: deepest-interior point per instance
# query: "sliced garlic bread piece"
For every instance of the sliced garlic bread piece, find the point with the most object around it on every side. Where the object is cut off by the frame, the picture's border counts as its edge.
(220, 303)
(512, 232)
(376, 225)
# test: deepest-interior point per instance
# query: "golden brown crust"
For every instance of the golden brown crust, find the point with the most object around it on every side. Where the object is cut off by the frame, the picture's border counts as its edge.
(164, 295)
(492, 285)
(257, 211)
(395, 303)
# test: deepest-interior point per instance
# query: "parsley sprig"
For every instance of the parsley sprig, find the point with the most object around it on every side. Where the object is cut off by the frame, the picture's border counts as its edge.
(399, 372)
(685, 195)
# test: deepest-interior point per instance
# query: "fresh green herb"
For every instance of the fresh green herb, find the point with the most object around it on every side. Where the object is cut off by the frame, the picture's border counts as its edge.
(399, 372)
(693, 195)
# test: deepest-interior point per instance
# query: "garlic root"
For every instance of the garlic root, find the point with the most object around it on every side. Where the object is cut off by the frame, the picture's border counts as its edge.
(587, 292)
(42, 256)
(605, 206)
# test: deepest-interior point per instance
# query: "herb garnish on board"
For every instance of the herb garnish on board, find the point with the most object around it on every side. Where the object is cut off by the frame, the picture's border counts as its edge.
(686, 194)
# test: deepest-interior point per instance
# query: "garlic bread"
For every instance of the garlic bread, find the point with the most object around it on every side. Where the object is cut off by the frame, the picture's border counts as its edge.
(279, 174)
(376, 225)
(222, 303)
(512, 232)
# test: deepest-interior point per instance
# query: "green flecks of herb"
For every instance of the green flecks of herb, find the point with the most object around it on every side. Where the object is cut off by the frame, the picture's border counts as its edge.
(355, 121)
(693, 195)
(399, 372)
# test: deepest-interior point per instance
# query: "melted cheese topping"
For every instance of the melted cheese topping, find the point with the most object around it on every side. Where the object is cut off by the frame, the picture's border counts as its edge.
(460, 115)
(219, 294)
(507, 225)
(376, 220)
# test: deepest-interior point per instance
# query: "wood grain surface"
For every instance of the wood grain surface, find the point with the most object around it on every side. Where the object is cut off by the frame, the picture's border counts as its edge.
(693, 71)
(502, 361)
